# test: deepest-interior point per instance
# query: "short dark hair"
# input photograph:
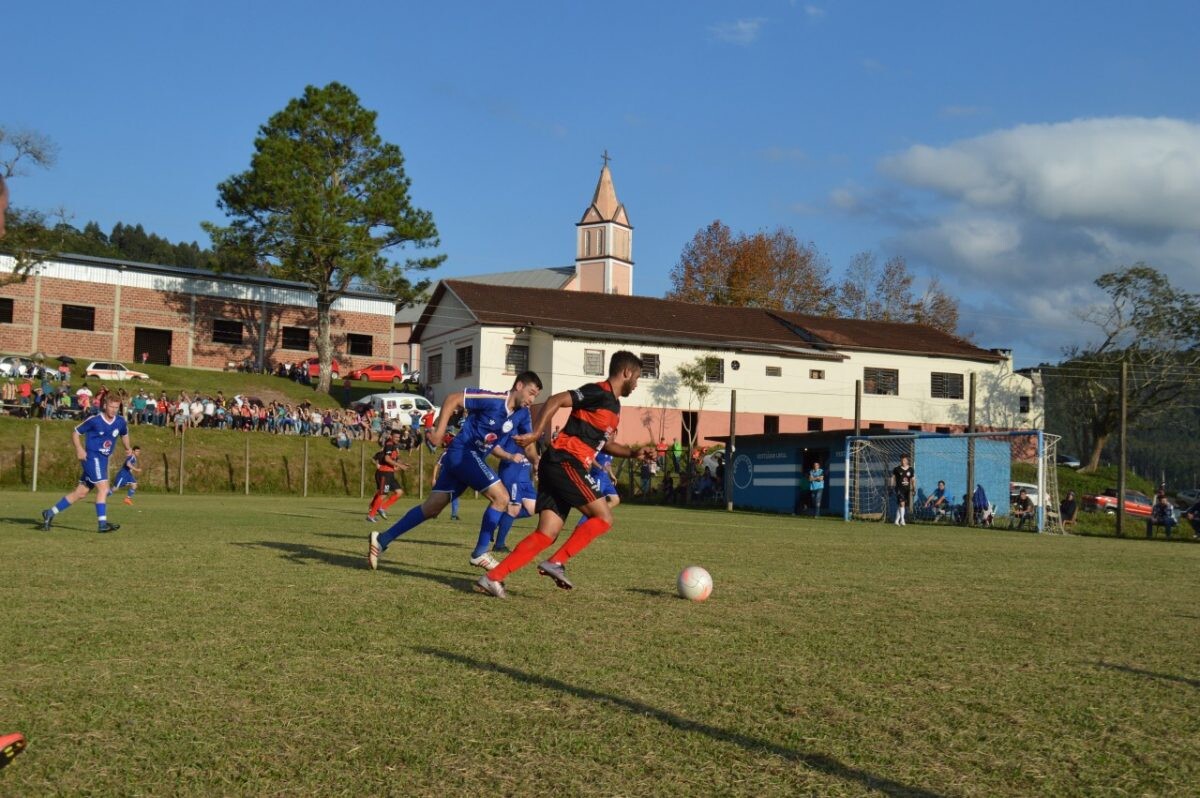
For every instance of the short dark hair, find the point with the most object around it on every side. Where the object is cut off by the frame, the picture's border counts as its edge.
(623, 359)
(528, 378)
(136, 449)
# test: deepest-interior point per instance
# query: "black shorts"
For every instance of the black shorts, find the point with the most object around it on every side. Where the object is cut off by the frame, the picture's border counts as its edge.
(903, 494)
(385, 482)
(564, 483)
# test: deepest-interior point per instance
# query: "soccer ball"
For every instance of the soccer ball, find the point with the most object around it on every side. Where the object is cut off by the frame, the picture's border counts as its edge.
(695, 583)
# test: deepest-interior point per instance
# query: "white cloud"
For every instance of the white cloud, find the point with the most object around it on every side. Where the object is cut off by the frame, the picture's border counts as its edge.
(742, 32)
(1136, 173)
(1020, 222)
(814, 12)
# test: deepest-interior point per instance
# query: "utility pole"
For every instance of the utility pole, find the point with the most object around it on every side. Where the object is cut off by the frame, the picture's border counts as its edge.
(728, 486)
(970, 508)
(1121, 451)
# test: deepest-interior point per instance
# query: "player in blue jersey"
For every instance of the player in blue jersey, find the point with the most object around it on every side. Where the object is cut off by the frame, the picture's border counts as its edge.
(517, 476)
(487, 418)
(94, 441)
(128, 474)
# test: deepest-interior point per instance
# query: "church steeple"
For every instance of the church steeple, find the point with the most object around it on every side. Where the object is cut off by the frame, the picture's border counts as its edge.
(604, 241)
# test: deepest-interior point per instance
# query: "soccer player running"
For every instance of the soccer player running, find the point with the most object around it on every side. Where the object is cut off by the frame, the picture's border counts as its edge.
(565, 478)
(128, 475)
(94, 440)
(487, 418)
(387, 489)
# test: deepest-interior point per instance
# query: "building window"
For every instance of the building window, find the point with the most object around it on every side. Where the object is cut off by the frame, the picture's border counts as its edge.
(875, 426)
(516, 359)
(78, 317)
(464, 364)
(714, 369)
(883, 382)
(297, 338)
(774, 371)
(225, 331)
(816, 374)
(1023, 407)
(816, 424)
(6, 310)
(363, 345)
(770, 425)
(434, 372)
(914, 428)
(649, 366)
(945, 386)
(593, 361)
(943, 430)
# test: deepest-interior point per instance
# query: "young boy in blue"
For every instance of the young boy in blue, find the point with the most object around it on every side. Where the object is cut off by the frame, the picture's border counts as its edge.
(94, 441)
(128, 474)
(488, 417)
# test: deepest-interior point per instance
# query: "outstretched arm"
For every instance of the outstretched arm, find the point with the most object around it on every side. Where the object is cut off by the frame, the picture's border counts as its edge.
(453, 402)
(549, 408)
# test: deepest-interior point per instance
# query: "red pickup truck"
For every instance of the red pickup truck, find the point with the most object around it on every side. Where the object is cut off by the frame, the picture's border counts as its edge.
(1136, 503)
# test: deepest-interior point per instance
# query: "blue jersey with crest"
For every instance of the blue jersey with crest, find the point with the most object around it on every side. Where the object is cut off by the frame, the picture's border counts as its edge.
(487, 422)
(100, 435)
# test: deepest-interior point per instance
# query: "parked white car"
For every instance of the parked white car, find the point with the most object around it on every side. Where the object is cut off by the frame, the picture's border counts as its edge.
(399, 406)
(113, 371)
(16, 366)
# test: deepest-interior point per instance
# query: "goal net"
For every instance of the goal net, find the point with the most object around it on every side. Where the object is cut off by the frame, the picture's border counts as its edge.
(983, 474)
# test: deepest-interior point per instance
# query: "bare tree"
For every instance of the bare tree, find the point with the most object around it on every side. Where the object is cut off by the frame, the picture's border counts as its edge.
(27, 237)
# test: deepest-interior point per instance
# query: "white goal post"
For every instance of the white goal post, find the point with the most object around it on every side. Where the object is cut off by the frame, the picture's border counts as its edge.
(980, 470)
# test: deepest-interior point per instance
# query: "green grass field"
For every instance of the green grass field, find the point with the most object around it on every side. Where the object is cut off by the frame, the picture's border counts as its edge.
(238, 646)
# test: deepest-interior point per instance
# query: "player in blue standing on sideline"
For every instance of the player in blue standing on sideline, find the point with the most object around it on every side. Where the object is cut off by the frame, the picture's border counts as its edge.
(128, 474)
(94, 441)
(516, 473)
(488, 417)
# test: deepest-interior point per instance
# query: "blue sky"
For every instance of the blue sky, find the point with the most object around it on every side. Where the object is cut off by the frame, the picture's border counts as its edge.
(1015, 151)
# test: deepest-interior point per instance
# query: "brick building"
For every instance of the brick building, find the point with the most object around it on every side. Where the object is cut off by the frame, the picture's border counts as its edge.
(105, 309)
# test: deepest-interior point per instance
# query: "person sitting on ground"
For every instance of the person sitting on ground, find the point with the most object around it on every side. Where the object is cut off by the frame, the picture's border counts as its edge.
(705, 486)
(937, 504)
(668, 490)
(1022, 510)
(1068, 510)
(1163, 514)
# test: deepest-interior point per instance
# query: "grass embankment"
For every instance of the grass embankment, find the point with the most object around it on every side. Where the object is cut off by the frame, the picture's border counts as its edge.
(1093, 523)
(242, 648)
(174, 379)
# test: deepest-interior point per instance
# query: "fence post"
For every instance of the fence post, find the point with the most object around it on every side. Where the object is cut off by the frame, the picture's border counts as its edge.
(421, 471)
(362, 467)
(306, 466)
(37, 446)
(247, 465)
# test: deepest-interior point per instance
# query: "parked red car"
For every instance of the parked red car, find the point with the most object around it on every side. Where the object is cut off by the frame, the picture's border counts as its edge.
(314, 367)
(1136, 503)
(380, 372)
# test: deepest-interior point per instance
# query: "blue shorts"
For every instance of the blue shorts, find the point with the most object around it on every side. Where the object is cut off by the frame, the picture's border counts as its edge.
(95, 469)
(607, 488)
(462, 469)
(124, 477)
(518, 481)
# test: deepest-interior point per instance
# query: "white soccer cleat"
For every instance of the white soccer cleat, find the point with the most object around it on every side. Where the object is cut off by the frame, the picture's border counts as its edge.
(485, 585)
(485, 561)
(373, 551)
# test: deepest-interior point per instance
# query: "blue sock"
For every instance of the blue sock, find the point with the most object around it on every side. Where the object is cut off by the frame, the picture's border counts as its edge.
(502, 532)
(61, 505)
(101, 513)
(454, 506)
(491, 518)
(130, 493)
(412, 518)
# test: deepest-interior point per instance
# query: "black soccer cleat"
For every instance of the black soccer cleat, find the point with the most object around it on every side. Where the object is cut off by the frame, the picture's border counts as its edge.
(108, 528)
(47, 520)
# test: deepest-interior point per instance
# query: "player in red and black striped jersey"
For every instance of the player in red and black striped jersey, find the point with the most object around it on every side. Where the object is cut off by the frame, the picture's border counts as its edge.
(564, 473)
(387, 488)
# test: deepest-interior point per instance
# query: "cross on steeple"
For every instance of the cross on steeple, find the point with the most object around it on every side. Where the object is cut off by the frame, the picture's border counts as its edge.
(605, 157)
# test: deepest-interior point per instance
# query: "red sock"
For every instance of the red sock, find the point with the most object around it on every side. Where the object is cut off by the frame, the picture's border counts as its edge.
(583, 535)
(375, 501)
(391, 499)
(521, 556)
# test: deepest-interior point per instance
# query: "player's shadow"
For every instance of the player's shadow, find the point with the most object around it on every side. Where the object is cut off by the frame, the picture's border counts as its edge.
(1166, 677)
(645, 591)
(814, 761)
(407, 541)
(301, 554)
